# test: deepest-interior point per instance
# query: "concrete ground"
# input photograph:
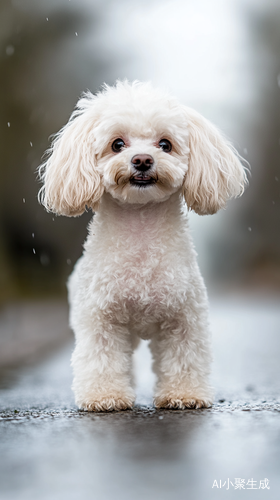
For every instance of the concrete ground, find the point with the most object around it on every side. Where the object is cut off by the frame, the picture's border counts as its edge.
(52, 451)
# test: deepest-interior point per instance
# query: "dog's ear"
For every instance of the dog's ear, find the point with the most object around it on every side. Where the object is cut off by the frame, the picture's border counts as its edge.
(71, 181)
(215, 172)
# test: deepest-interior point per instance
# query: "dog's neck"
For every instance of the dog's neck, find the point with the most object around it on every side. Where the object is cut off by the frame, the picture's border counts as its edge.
(140, 219)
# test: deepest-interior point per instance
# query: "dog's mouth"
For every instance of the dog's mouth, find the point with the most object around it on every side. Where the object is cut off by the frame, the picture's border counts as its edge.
(142, 180)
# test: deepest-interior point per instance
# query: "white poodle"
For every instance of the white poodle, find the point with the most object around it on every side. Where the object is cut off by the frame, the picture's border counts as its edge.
(135, 156)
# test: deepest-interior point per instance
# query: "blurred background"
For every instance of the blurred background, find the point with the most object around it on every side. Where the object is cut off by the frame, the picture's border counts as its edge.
(220, 57)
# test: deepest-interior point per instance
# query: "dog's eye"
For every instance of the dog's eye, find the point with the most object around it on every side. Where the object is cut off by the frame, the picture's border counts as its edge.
(117, 145)
(165, 145)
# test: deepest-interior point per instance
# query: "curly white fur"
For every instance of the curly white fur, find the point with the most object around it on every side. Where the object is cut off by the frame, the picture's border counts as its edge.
(138, 276)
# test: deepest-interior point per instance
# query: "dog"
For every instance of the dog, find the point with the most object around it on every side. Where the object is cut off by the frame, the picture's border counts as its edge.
(140, 160)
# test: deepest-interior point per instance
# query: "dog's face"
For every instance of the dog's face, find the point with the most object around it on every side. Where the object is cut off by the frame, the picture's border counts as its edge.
(139, 170)
(140, 145)
(142, 150)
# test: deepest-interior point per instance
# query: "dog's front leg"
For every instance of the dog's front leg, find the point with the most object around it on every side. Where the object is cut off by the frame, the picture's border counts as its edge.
(182, 356)
(102, 364)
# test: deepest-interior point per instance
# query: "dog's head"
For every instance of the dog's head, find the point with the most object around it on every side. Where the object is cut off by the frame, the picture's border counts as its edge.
(140, 145)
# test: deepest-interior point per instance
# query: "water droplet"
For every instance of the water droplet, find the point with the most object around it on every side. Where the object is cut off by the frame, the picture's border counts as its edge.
(245, 151)
(34, 251)
(76, 33)
(69, 262)
(276, 178)
(249, 229)
(31, 144)
(32, 235)
(10, 49)
(47, 18)
(273, 202)
(23, 200)
(8, 124)
(44, 259)
(160, 418)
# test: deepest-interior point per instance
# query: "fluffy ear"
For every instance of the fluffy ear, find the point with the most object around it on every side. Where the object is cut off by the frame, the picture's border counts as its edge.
(215, 172)
(71, 181)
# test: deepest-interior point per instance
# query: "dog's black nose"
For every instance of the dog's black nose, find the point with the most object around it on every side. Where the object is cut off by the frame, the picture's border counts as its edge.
(142, 162)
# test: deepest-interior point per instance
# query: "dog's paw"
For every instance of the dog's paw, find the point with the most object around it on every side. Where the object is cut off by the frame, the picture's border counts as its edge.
(182, 402)
(108, 403)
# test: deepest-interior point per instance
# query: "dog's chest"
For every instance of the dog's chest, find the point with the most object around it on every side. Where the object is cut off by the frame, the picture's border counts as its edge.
(138, 263)
(143, 277)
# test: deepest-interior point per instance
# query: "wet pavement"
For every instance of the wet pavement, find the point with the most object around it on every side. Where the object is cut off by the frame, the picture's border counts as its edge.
(50, 450)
